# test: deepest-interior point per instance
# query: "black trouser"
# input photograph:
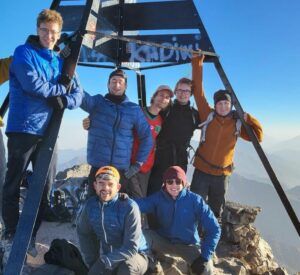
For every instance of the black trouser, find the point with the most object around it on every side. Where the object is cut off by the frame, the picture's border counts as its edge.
(212, 189)
(22, 148)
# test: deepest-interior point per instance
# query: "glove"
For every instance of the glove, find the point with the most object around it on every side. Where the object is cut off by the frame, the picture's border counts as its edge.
(57, 102)
(65, 80)
(133, 169)
(65, 38)
(65, 52)
(199, 265)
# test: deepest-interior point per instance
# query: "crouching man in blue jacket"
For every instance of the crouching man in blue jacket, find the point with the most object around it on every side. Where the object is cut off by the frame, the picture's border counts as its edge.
(179, 212)
(109, 229)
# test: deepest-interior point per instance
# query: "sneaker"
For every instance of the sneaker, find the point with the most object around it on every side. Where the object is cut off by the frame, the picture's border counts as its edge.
(31, 248)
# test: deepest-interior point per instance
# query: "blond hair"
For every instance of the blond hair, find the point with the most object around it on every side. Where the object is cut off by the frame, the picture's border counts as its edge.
(49, 16)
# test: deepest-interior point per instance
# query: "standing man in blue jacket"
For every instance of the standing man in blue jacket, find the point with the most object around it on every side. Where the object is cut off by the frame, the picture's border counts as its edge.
(179, 212)
(111, 133)
(37, 88)
(109, 229)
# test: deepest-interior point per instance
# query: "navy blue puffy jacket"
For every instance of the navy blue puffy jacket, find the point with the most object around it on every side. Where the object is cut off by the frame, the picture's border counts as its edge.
(110, 136)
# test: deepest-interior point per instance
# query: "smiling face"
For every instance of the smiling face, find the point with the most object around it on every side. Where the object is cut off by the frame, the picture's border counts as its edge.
(183, 92)
(162, 99)
(106, 189)
(48, 34)
(117, 85)
(173, 187)
(223, 107)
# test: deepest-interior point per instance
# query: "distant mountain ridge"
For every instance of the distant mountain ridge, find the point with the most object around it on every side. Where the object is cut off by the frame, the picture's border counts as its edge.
(70, 157)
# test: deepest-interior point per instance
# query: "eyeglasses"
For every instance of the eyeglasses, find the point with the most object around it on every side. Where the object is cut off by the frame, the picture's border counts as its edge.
(183, 91)
(45, 31)
(171, 181)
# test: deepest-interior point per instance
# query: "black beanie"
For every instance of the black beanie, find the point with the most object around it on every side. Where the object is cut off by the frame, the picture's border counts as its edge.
(118, 72)
(221, 95)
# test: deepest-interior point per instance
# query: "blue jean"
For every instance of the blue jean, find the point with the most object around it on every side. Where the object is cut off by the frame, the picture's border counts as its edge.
(212, 189)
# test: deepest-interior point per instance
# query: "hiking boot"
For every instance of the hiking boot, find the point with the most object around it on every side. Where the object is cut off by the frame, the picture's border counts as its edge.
(31, 248)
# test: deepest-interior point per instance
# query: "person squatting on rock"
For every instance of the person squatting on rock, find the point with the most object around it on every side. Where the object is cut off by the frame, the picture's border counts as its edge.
(179, 212)
(110, 136)
(214, 157)
(179, 122)
(109, 229)
(37, 88)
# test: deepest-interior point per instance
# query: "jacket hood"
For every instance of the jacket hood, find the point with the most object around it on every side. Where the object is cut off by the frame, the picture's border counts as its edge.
(35, 42)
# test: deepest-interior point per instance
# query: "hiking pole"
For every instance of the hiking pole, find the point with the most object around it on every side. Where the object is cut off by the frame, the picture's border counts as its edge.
(152, 44)
(259, 150)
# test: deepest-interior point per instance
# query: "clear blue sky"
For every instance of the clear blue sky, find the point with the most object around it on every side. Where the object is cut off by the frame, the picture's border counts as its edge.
(259, 45)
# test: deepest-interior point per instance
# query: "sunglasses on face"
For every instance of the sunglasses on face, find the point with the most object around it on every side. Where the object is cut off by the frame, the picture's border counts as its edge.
(171, 181)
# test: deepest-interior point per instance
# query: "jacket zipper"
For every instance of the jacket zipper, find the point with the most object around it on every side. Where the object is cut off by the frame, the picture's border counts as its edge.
(114, 133)
(102, 223)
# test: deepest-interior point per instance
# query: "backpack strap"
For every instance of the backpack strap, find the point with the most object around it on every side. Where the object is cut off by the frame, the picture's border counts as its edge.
(193, 115)
(238, 126)
(211, 115)
(203, 125)
(238, 123)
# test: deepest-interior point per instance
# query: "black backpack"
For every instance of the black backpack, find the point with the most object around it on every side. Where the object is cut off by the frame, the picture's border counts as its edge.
(66, 254)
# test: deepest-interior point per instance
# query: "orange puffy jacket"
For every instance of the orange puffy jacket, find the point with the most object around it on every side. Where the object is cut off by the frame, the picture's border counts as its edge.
(215, 155)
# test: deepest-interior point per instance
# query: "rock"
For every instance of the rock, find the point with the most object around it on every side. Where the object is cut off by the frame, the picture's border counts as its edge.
(173, 265)
(229, 265)
(82, 170)
(241, 240)
(235, 213)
